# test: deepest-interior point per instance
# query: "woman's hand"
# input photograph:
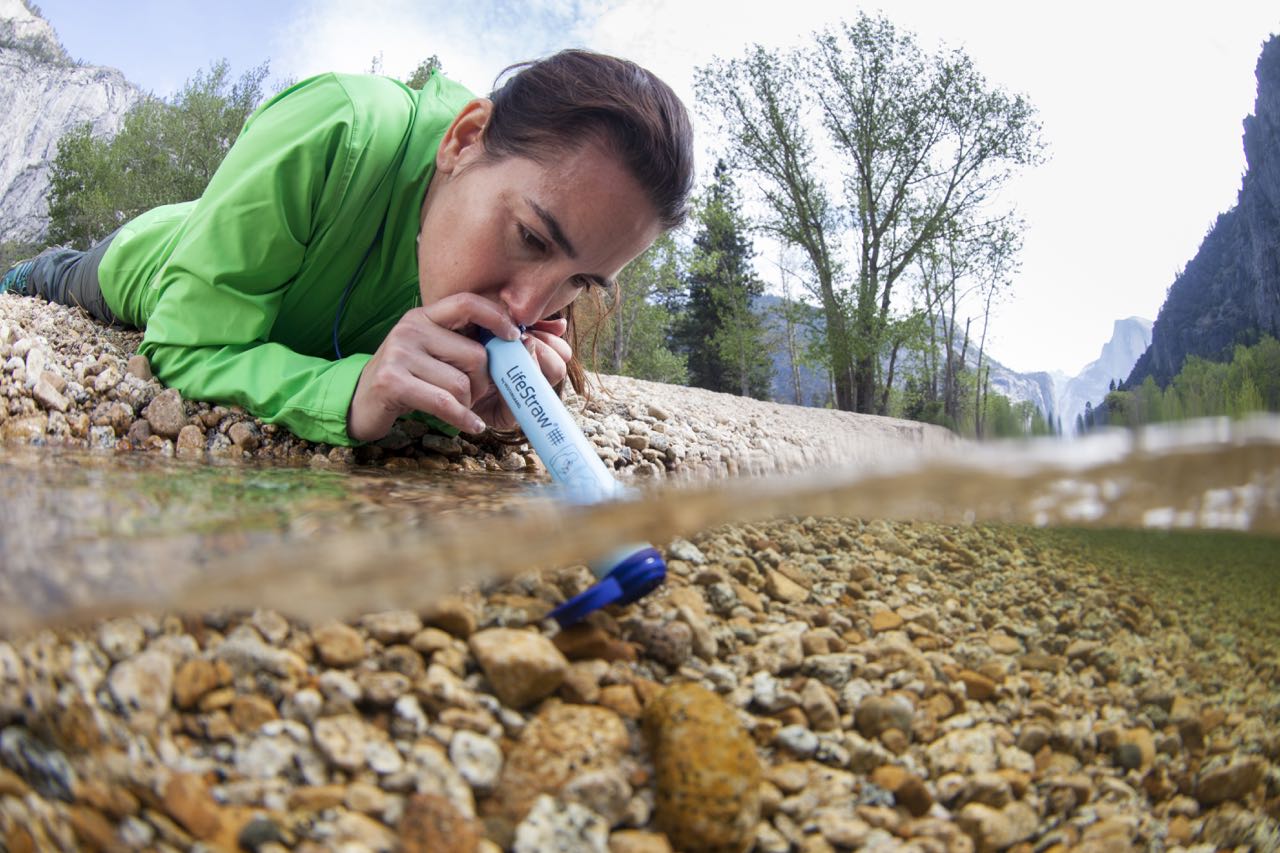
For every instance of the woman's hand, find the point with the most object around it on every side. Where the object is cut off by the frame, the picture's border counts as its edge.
(550, 350)
(425, 364)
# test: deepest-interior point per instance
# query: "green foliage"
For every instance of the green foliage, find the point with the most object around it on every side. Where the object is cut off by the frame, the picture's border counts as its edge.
(12, 251)
(165, 152)
(1250, 382)
(631, 336)
(420, 75)
(720, 333)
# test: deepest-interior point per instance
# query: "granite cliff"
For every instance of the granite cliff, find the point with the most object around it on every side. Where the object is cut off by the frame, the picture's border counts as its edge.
(43, 94)
(1229, 292)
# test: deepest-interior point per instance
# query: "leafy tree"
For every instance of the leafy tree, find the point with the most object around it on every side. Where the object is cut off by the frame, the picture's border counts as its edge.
(631, 334)
(923, 143)
(165, 152)
(423, 72)
(720, 332)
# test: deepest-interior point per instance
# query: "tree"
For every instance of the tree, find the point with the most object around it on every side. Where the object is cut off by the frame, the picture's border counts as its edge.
(720, 332)
(631, 335)
(922, 142)
(165, 152)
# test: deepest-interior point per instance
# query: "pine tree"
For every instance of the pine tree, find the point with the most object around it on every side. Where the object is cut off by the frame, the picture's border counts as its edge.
(721, 333)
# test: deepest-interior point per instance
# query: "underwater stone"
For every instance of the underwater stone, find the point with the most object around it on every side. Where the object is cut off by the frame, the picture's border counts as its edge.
(707, 771)
(560, 742)
(552, 825)
(522, 666)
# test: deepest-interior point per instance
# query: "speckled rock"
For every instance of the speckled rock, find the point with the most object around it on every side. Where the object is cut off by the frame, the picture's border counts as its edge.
(707, 771)
(1230, 782)
(553, 825)
(561, 742)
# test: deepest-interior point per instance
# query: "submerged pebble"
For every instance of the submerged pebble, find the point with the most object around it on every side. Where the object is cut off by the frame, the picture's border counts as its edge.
(707, 773)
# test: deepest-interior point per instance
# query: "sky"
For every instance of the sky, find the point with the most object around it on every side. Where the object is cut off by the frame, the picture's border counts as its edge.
(1141, 105)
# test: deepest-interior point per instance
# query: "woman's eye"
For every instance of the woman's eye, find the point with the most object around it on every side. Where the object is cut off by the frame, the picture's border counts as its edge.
(533, 241)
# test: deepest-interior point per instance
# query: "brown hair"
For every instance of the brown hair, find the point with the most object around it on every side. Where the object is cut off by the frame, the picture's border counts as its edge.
(556, 103)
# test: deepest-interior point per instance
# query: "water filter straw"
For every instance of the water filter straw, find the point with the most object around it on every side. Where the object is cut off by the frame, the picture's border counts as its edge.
(629, 572)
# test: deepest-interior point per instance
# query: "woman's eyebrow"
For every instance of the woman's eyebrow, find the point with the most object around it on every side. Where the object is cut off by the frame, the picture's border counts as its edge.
(553, 226)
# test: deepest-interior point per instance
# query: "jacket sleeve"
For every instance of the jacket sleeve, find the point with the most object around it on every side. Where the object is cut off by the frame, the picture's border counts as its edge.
(240, 249)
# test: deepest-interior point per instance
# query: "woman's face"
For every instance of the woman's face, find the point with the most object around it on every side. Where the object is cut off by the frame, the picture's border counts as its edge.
(527, 235)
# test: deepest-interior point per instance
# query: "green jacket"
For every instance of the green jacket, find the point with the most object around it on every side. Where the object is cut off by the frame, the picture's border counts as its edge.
(238, 291)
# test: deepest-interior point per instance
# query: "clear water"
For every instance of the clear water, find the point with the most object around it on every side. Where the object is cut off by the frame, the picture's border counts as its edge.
(84, 535)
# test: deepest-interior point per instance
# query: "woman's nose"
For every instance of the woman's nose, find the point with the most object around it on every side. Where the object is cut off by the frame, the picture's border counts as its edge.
(528, 299)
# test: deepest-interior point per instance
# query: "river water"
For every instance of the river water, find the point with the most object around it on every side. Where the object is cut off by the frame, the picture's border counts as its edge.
(85, 535)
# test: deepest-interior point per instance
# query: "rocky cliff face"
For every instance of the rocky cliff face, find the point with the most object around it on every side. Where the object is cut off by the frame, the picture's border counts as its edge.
(1130, 338)
(43, 94)
(1229, 293)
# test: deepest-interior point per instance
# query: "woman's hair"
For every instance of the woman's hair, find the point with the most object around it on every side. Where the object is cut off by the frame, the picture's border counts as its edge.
(553, 104)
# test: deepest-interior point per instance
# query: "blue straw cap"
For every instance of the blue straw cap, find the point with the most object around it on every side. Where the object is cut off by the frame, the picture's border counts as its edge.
(632, 578)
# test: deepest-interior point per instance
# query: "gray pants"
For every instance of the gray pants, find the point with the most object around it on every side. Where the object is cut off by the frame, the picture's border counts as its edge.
(69, 277)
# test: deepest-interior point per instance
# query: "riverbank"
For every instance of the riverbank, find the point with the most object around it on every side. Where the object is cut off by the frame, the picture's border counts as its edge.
(68, 381)
(858, 684)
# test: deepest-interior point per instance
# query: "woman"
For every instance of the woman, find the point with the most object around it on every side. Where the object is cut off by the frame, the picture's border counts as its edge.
(332, 275)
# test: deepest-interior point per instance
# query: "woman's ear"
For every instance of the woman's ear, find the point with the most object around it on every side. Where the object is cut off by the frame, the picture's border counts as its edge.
(463, 142)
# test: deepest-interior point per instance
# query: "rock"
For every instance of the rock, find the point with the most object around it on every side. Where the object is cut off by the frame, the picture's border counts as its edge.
(683, 549)
(638, 841)
(1230, 782)
(166, 414)
(552, 825)
(44, 768)
(477, 758)
(342, 740)
(191, 441)
(964, 751)
(558, 744)
(338, 644)
(392, 626)
(431, 824)
(669, 643)
(605, 792)
(432, 773)
(121, 638)
(989, 828)
(819, 707)
(977, 686)
(886, 620)
(707, 773)
(195, 678)
(522, 666)
(188, 801)
(48, 396)
(139, 366)
(143, 683)
(878, 714)
(454, 615)
(251, 711)
(782, 588)
(585, 641)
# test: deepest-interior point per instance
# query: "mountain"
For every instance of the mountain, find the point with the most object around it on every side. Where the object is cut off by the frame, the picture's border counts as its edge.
(44, 94)
(1229, 292)
(1130, 338)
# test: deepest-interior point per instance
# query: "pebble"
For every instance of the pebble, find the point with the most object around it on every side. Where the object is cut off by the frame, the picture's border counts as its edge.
(559, 743)
(554, 825)
(522, 666)
(338, 644)
(477, 758)
(706, 768)
(143, 683)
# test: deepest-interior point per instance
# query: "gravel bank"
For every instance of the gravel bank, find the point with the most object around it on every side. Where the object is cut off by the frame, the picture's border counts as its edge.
(68, 381)
(809, 685)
